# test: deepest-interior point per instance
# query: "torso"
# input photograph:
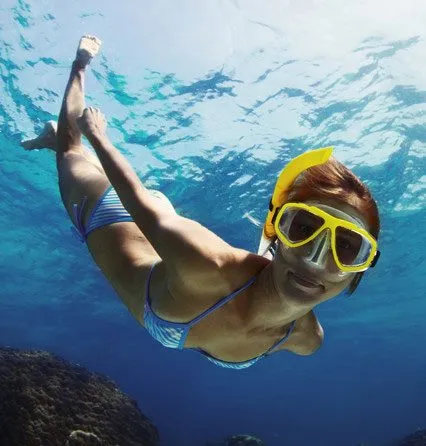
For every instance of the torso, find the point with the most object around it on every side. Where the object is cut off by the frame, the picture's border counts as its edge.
(222, 333)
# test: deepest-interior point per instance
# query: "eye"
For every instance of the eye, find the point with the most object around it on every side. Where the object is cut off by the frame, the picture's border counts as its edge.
(344, 244)
(302, 227)
(305, 229)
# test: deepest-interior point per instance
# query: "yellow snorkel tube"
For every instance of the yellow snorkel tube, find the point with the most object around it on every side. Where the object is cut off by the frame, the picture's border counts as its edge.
(286, 178)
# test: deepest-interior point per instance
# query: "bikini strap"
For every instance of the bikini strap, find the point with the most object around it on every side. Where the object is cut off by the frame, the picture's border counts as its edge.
(221, 302)
(282, 340)
(214, 307)
(148, 281)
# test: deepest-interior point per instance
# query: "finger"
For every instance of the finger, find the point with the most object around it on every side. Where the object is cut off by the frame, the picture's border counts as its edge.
(79, 121)
(101, 115)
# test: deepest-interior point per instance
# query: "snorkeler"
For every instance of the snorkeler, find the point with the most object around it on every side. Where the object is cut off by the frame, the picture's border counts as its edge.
(187, 286)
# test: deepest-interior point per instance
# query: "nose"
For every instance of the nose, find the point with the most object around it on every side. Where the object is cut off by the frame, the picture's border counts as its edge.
(320, 249)
(319, 257)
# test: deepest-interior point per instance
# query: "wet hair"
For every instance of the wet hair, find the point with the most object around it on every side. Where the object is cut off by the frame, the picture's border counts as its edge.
(335, 181)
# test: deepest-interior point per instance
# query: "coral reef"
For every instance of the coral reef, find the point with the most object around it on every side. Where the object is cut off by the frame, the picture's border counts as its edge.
(45, 400)
(416, 439)
(243, 440)
(238, 440)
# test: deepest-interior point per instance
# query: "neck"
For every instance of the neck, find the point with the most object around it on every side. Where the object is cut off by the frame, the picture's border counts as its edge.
(270, 307)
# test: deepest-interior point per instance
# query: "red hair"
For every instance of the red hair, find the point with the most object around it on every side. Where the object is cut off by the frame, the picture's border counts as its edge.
(334, 180)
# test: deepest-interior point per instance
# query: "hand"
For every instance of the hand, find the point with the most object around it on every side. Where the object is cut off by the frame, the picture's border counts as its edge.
(92, 123)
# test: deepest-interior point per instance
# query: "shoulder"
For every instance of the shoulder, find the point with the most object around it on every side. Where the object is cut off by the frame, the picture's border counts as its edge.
(221, 272)
(184, 295)
(311, 335)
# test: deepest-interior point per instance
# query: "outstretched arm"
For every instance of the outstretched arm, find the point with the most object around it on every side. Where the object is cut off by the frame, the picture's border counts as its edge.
(184, 245)
(119, 171)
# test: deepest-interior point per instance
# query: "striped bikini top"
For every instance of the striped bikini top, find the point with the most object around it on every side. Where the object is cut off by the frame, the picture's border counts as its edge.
(174, 334)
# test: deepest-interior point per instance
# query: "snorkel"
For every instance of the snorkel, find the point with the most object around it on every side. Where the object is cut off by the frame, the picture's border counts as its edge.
(286, 178)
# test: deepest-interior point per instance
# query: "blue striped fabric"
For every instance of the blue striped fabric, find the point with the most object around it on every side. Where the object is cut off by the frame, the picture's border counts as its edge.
(107, 210)
(174, 334)
(170, 334)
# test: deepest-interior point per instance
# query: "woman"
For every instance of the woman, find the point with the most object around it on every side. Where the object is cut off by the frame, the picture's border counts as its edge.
(172, 273)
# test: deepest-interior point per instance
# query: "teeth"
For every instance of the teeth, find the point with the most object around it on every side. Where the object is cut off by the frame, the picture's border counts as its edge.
(303, 280)
(306, 281)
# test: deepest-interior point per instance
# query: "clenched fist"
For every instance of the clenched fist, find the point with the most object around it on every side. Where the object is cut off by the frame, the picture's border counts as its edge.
(92, 123)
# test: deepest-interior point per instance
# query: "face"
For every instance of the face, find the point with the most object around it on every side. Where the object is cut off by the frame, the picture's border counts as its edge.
(309, 273)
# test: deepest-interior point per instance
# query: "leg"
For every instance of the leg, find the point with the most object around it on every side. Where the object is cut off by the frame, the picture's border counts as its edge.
(79, 176)
(69, 135)
(48, 140)
(80, 173)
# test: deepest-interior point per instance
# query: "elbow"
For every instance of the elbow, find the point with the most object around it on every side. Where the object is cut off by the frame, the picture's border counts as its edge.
(314, 343)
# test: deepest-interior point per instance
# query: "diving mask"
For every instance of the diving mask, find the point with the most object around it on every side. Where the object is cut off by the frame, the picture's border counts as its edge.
(300, 224)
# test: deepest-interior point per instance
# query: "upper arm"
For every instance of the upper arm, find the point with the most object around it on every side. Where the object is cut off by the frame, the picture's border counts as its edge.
(182, 243)
(187, 246)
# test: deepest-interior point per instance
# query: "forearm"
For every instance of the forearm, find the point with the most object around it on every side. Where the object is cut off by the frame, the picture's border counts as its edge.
(121, 175)
(119, 171)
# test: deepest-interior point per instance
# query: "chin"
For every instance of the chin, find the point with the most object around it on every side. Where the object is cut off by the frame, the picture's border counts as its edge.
(298, 288)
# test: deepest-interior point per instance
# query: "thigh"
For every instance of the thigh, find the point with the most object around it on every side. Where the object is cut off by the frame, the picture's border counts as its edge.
(80, 178)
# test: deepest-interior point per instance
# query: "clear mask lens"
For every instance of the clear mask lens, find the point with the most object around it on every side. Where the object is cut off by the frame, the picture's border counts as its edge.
(297, 225)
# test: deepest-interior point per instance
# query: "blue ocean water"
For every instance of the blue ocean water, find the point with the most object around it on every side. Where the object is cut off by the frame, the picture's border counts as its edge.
(208, 100)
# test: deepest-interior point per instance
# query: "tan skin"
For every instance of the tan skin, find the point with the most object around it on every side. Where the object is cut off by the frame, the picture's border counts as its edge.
(196, 267)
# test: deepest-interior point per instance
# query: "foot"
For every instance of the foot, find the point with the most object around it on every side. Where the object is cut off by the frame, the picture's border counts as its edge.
(46, 139)
(87, 49)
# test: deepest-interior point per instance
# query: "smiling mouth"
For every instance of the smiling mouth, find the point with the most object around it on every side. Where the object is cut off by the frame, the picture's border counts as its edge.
(303, 282)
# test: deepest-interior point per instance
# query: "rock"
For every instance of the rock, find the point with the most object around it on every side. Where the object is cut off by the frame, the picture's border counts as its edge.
(416, 439)
(238, 440)
(47, 401)
(243, 440)
(83, 438)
